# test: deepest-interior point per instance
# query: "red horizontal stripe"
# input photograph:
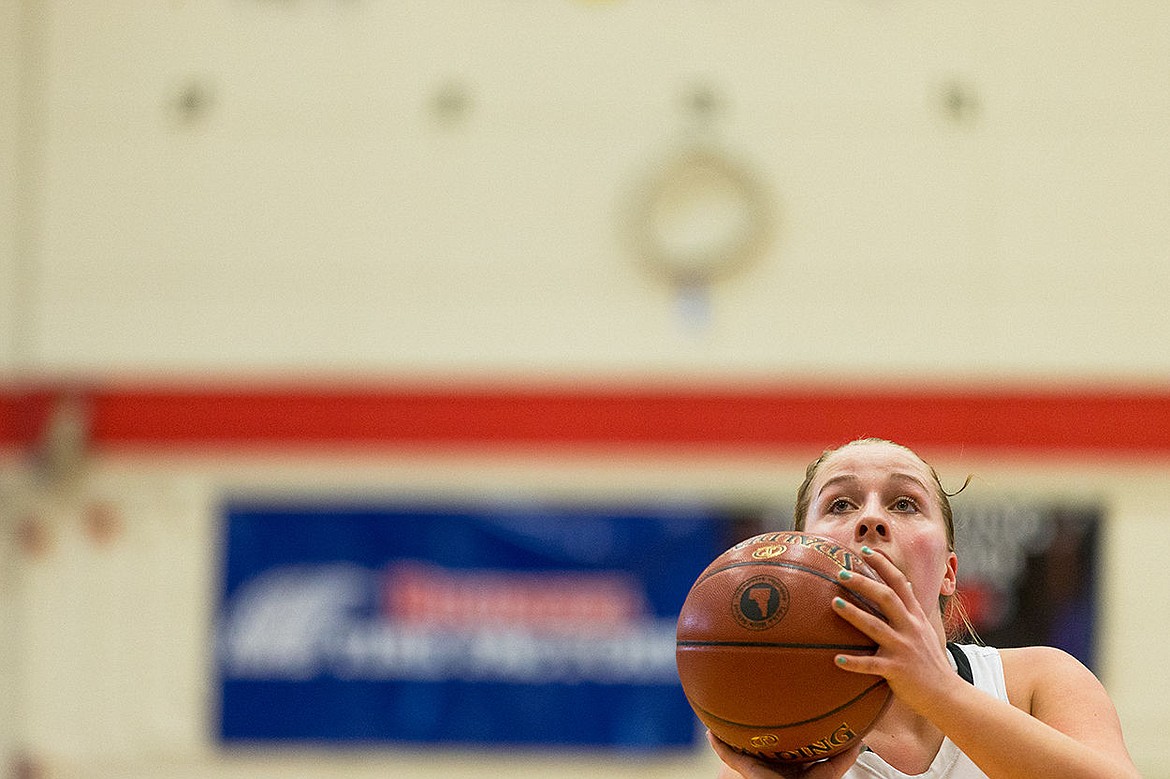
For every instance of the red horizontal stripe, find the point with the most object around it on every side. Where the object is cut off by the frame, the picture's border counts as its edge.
(1102, 422)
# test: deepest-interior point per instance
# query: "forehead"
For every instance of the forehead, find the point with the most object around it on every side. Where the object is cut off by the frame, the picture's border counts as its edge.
(872, 460)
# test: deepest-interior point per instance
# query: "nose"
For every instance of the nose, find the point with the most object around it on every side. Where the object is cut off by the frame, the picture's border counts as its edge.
(871, 524)
(867, 529)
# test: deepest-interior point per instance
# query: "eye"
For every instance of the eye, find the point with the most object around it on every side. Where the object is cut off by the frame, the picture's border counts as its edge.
(839, 506)
(904, 504)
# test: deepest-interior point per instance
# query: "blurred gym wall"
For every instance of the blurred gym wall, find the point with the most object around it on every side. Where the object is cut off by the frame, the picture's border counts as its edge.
(840, 201)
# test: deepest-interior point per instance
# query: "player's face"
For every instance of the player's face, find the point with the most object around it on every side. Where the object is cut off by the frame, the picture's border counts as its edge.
(882, 496)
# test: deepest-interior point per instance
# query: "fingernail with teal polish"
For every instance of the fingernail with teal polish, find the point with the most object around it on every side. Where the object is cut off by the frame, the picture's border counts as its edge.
(844, 575)
(839, 602)
(865, 550)
(841, 660)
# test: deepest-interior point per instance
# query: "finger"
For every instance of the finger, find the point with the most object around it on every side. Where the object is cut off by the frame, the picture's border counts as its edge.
(894, 591)
(875, 599)
(873, 626)
(870, 665)
(891, 574)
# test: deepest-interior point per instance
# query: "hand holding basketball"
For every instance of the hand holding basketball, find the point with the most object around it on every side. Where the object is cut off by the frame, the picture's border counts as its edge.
(910, 654)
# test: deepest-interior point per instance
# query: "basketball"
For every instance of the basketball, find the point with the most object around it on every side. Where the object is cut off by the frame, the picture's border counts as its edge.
(756, 642)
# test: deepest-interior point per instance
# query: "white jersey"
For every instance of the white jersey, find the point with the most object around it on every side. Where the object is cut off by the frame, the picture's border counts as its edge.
(986, 673)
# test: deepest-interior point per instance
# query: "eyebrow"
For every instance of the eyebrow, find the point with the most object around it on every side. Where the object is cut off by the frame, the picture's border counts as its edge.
(898, 476)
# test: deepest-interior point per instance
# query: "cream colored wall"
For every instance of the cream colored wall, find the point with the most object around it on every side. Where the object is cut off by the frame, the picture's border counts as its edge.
(10, 158)
(309, 211)
(310, 172)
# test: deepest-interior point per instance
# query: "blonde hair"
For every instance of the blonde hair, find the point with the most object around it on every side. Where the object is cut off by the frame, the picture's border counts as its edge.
(954, 615)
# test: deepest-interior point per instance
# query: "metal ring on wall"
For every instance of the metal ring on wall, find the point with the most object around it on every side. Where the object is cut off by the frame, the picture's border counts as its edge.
(700, 218)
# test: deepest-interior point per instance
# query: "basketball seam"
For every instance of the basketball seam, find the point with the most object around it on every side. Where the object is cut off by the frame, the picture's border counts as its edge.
(686, 642)
(831, 712)
(798, 567)
(772, 563)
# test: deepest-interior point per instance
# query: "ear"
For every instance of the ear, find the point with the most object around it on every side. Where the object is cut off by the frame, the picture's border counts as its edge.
(950, 576)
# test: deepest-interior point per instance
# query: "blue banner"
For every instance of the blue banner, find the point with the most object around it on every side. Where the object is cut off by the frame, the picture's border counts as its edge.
(497, 624)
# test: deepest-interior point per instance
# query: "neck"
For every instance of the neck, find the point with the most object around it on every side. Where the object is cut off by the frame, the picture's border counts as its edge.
(904, 739)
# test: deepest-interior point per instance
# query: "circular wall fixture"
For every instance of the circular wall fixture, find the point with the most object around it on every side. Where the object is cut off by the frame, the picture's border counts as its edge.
(700, 217)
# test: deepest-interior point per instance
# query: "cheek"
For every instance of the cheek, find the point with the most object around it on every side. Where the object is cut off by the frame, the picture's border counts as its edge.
(929, 554)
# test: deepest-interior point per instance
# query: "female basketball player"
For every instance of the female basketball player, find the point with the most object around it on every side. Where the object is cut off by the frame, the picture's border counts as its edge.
(957, 712)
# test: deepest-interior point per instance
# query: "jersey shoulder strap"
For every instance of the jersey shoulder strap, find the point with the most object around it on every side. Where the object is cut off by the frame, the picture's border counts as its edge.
(962, 662)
